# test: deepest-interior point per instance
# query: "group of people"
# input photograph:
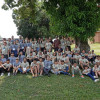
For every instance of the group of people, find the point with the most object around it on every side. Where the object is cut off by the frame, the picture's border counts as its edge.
(45, 56)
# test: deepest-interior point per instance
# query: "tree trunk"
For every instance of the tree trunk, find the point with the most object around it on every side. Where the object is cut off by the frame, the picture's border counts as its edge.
(83, 45)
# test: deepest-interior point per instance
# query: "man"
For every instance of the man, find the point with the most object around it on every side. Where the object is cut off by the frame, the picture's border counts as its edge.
(83, 61)
(8, 67)
(12, 58)
(16, 65)
(47, 66)
(56, 44)
(5, 50)
(3, 59)
(48, 45)
(24, 66)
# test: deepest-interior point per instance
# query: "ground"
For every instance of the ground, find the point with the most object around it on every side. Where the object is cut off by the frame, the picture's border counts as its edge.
(24, 87)
(95, 47)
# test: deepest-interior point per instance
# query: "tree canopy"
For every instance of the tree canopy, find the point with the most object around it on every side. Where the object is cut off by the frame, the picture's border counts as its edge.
(79, 19)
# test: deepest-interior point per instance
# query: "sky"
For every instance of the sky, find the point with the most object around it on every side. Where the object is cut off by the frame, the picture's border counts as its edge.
(7, 26)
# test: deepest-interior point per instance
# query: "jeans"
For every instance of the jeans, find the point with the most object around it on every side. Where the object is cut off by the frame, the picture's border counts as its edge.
(91, 75)
(19, 69)
(76, 71)
(65, 72)
(46, 71)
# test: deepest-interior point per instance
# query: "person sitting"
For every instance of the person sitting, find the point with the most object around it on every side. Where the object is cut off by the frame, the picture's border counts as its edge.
(88, 72)
(64, 68)
(8, 67)
(47, 66)
(16, 65)
(24, 66)
(2, 68)
(83, 61)
(96, 70)
(55, 68)
(34, 68)
(75, 70)
(40, 66)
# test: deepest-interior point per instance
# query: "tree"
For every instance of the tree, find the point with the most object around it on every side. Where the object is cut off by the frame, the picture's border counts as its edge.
(79, 19)
(25, 8)
(29, 23)
(39, 27)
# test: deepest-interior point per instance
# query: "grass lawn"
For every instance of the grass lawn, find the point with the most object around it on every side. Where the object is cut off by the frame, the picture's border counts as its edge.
(95, 47)
(24, 87)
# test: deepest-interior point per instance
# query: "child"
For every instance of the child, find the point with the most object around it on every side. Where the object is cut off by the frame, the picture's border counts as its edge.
(55, 68)
(40, 67)
(64, 68)
(34, 68)
(76, 69)
(96, 70)
(88, 72)
(16, 65)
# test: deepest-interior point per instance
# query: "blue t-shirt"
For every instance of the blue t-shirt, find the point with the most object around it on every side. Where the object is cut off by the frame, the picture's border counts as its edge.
(21, 58)
(12, 59)
(16, 64)
(47, 64)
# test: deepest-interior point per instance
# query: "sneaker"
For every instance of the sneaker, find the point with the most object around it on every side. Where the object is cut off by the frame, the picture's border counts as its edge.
(69, 74)
(82, 76)
(96, 80)
(72, 76)
(95, 77)
(8, 74)
(33, 75)
(2, 74)
(49, 75)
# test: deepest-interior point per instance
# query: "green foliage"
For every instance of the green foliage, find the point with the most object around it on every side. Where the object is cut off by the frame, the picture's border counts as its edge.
(25, 8)
(39, 27)
(77, 18)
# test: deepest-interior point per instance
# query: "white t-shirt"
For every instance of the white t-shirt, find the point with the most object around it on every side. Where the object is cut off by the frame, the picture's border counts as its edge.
(48, 45)
(55, 66)
(77, 56)
(32, 64)
(97, 60)
(83, 60)
(76, 68)
(24, 64)
(95, 69)
(41, 63)
(7, 65)
(76, 49)
(5, 49)
(87, 71)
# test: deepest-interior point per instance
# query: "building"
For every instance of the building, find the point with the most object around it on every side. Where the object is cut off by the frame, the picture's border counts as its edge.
(97, 37)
